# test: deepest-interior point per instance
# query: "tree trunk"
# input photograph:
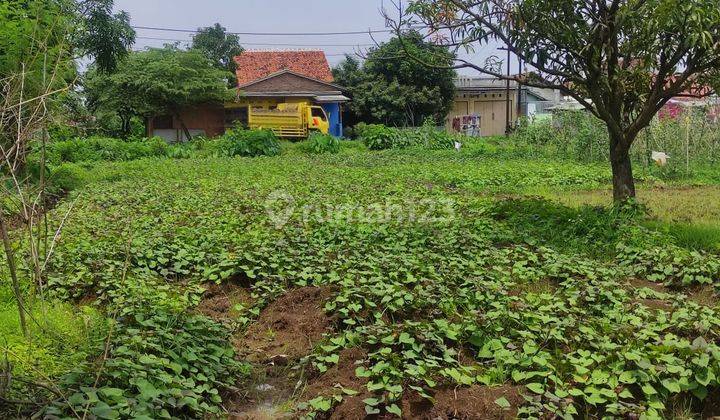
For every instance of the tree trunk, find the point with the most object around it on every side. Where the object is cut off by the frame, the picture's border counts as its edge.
(124, 125)
(623, 181)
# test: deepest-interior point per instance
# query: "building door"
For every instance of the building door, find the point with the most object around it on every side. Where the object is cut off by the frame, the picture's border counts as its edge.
(492, 117)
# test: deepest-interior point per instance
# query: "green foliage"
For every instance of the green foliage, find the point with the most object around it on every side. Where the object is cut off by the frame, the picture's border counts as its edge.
(219, 47)
(250, 143)
(461, 289)
(626, 88)
(690, 140)
(106, 36)
(157, 82)
(399, 92)
(434, 138)
(588, 230)
(67, 177)
(160, 365)
(63, 339)
(104, 149)
(569, 134)
(318, 143)
(380, 137)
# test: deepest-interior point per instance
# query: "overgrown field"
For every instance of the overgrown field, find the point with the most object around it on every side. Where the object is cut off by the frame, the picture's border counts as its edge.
(413, 283)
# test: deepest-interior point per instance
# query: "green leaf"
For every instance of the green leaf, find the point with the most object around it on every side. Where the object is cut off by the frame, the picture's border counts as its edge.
(394, 409)
(671, 385)
(111, 392)
(536, 388)
(503, 402)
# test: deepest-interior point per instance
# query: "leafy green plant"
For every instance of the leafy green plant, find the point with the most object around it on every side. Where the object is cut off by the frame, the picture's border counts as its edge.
(318, 143)
(159, 365)
(250, 143)
(96, 149)
(379, 137)
(67, 177)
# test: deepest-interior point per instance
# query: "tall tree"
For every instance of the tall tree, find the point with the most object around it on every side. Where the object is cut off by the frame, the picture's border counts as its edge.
(158, 81)
(219, 47)
(623, 60)
(391, 90)
(104, 35)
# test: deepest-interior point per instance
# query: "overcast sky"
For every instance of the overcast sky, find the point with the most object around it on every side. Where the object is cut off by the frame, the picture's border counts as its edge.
(268, 16)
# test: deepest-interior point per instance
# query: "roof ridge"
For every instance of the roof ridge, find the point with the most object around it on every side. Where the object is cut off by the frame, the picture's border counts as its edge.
(262, 50)
(254, 65)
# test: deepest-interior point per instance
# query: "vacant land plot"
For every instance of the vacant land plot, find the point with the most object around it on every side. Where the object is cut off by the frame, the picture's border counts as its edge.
(396, 283)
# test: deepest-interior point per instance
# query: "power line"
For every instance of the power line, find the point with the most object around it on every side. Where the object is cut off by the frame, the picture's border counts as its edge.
(194, 31)
(271, 44)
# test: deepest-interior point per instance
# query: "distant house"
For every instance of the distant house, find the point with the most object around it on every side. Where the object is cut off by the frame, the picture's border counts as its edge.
(265, 79)
(482, 101)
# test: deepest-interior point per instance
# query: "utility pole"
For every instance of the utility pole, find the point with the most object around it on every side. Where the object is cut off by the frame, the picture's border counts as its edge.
(519, 86)
(507, 95)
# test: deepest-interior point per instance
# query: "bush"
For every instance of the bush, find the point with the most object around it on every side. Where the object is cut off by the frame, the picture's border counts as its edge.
(103, 149)
(250, 143)
(380, 137)
(569, 134)
(319, 143)
(66, 177)
(433, 138)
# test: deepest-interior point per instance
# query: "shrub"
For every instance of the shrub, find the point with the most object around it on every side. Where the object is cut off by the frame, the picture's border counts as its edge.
(380, 137)
(433, 138)
(569, 134)
(250, 143)
(66, 177)
(319, 143)
(104, 149)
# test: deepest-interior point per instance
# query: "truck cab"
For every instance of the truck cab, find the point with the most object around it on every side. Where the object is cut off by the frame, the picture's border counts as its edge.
(318, 119)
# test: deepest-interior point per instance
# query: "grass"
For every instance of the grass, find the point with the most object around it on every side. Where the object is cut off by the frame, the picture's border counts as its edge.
(443, 267)
(690, 215)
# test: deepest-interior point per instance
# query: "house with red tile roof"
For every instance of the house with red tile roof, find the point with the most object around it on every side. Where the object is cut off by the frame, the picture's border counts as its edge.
(265, 79)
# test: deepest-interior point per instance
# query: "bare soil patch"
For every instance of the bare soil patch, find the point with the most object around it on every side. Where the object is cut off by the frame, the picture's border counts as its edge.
(656, 304)
(705, 295)
(475, 402)
(342, 374)
(640, 283)
(219, 300)
(288, 328)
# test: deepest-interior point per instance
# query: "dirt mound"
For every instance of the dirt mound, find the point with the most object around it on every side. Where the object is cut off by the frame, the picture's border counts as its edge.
(343, 373)
(288, 328)
(219, 300)
(475, 402)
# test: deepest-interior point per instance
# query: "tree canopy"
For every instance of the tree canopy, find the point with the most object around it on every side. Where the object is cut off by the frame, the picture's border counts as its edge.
(104, 35)
(219, 47)
(157, 81)
(622, 59)
(391, 90)
(40, 42)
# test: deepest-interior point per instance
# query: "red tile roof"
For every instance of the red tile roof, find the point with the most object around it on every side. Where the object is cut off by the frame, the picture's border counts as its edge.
(254, 65)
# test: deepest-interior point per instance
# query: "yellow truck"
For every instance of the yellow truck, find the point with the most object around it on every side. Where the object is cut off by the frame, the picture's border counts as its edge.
(296, 120)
